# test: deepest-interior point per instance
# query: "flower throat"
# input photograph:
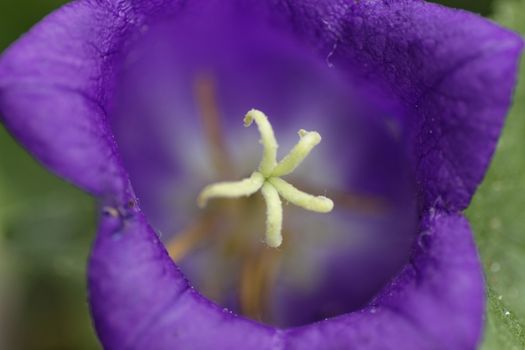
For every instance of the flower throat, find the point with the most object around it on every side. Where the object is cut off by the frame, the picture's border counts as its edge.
(233, 227)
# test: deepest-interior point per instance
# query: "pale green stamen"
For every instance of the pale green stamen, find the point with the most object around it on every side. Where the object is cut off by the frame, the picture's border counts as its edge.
(232, 189)
(308, 140)
(269, 158)
(274, 215)
(320, 204)
(268, 179)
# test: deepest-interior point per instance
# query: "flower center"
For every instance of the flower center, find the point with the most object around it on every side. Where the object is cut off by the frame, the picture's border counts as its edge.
(230, 228)
(268, 179)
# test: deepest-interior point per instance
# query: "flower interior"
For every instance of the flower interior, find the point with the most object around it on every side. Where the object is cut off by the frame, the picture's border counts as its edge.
(177, 123)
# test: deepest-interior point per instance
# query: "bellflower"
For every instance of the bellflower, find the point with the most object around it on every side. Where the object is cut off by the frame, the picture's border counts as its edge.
(143, 100)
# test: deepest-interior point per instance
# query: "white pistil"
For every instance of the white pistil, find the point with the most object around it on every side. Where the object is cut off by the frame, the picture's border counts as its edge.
(320, 204)
(308, 140)
(269, 158)
(268, 179)
(232, 189)
(274, 215)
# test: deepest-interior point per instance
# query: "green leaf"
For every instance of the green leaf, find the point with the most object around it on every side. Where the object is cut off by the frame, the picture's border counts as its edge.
(497, 217)
(503, 329)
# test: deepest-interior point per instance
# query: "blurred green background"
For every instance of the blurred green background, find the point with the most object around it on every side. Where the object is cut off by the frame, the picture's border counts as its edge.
(46, 225)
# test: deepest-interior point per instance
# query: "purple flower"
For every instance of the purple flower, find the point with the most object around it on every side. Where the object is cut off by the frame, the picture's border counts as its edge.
(410, 98)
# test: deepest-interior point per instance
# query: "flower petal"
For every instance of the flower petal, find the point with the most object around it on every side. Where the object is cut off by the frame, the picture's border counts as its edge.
(436, 302)
(452, 71)
(140, 300)
(55, 87)
(454, 81)
(130, 278)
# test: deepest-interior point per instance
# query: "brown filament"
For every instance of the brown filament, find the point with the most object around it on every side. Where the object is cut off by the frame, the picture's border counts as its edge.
(211, 122)
(258, 274)
(363, 203)
(189, 238)
(358, 202)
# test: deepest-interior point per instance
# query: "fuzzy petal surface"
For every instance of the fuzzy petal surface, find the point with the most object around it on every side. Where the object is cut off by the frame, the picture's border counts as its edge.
(55, 92)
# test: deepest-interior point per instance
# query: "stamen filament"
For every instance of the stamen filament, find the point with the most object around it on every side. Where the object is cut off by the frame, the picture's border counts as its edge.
(231, 189)
(211, 122)
(186, 240)
(258, 276)
(274, 215)
(308, 140)
(269, 158)
(319, 204)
